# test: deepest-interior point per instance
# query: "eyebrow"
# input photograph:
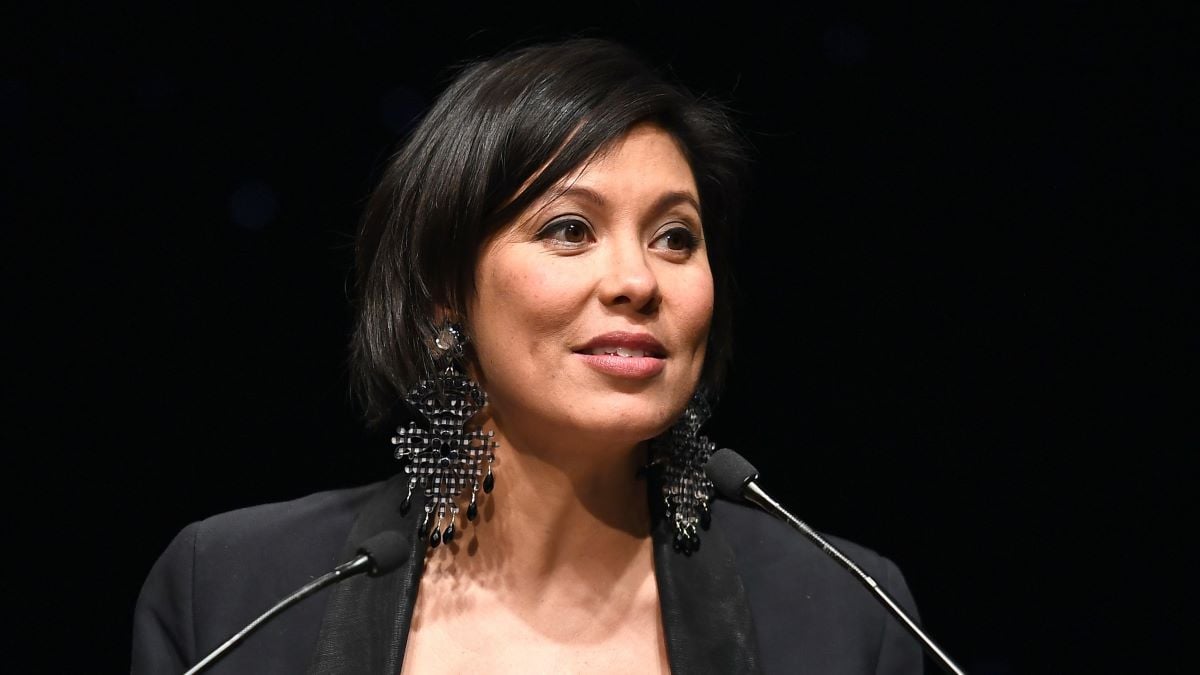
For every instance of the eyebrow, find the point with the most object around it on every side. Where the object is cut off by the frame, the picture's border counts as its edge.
(664, 202)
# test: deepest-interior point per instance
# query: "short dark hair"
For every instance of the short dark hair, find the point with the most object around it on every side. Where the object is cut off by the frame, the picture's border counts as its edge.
(458, 179)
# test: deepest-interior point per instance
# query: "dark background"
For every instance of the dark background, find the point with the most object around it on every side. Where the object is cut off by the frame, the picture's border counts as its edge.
(965, 280)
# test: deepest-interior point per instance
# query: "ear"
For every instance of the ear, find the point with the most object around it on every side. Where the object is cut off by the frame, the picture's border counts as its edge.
(444, 316)
(440, 314)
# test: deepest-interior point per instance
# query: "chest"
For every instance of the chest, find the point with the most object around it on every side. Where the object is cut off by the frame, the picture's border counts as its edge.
(473, 633)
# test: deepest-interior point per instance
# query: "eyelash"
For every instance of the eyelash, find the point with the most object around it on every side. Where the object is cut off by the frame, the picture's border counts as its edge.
(691, 240)
(557, 226)
(690, 243)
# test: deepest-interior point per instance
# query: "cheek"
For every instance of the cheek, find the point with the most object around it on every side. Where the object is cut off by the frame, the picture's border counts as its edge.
(702, 303)
(519, 302)
(696, 306)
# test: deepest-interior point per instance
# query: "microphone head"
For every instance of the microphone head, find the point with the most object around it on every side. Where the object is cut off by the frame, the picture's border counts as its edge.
(387, 551)
(729, 472)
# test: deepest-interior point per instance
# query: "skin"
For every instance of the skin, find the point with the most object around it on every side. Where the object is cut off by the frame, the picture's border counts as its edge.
(557, 576)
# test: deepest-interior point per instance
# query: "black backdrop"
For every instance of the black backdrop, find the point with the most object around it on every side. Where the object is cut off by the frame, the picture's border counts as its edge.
(964, 282)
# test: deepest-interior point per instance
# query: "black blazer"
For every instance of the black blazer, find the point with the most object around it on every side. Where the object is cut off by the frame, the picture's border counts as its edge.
(756, 598)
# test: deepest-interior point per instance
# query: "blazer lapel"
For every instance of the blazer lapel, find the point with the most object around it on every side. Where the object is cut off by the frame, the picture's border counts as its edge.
(706, 617)
(367, 618)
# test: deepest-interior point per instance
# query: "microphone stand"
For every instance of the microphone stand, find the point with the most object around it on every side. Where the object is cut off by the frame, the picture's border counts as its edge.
(361, 563)
(752, 492)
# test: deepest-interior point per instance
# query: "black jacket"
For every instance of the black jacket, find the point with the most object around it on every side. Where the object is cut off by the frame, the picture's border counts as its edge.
(757, 597)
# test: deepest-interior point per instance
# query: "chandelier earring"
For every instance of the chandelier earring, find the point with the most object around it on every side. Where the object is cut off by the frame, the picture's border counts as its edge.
(442, 454)
(686, 491)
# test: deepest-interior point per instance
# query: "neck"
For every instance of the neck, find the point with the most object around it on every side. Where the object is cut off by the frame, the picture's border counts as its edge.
(563, 511)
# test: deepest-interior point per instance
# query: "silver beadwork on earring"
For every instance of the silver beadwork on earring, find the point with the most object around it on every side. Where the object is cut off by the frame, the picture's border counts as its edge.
(686, 490)
(445, 457)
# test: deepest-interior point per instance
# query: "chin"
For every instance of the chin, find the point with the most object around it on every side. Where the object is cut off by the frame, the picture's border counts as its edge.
(633, 418)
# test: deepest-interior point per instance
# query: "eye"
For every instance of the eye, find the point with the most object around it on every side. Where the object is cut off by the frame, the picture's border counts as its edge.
(677, 238)
(566, 231)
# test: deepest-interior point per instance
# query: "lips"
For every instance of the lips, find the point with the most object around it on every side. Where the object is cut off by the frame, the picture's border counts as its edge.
(617, 351)
(624, 355)
(625, 345)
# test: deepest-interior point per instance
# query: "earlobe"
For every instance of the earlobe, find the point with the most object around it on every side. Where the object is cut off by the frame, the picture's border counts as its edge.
(451, 333)
(443, 319)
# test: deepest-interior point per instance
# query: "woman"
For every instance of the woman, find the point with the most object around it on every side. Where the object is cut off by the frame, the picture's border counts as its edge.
(543, 296)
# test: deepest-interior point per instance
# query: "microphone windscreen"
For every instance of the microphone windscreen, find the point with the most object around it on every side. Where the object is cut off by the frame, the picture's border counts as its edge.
(730, 472)
(387, 550)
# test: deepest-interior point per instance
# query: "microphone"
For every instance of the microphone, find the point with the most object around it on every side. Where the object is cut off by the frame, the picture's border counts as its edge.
(734, 478)
(378, 555)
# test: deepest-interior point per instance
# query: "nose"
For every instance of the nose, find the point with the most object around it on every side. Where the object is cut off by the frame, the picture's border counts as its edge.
(629, 281)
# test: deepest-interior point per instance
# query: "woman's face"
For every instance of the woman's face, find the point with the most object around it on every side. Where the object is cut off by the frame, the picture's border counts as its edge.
(592, 309)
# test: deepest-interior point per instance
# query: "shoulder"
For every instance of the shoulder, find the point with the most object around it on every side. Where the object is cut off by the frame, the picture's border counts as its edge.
(299, 528)
(256, 555)
(807, 609)
(221, 572)
(762, 540)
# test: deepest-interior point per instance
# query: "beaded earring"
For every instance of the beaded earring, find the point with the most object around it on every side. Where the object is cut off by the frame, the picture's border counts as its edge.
(686, 490)
(445, 457)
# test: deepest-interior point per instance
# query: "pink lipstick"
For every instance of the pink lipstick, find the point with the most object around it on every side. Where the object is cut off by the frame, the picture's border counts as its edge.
(623, 354)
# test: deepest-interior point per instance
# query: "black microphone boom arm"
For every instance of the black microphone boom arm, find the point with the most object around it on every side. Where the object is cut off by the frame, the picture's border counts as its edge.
(380, 554)
(755, 494)
(734, 478)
